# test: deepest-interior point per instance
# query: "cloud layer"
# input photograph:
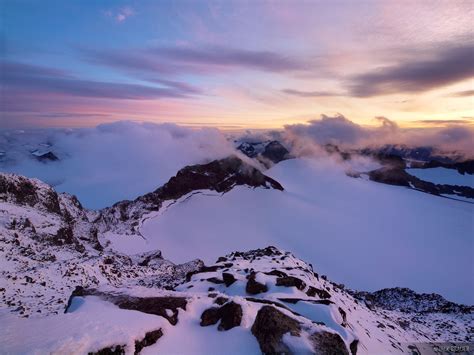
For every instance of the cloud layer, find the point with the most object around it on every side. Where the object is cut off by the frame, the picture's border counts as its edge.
(111, 162)
(306, 138)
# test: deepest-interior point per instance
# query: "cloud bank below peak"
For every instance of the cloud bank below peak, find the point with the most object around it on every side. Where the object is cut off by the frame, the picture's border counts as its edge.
(306, 138)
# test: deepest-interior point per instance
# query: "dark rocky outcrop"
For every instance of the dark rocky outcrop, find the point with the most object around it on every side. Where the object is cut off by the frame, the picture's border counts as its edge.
(24, 191)
(228, 278)
(150, 305)
(269, 327)
(313, 291)
(149, 339)
(400, 177)
(111, 350)
(253, 286)
(230, 315)
(464, 167)
(290, 281)
(325, 343)
(275, 152)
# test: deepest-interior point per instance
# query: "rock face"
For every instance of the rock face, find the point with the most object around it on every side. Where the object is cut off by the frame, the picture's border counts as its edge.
(326, 343)
(269, 327)
(254, 287)
(166, 306)
(149, 339)
(229, 315)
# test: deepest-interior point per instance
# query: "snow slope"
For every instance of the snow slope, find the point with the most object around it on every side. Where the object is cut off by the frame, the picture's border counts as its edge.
(367, 235)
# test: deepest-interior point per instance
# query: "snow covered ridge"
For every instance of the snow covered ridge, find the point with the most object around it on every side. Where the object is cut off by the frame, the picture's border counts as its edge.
(49, 243)
(219, 176)
(259, 301)
(264, 300)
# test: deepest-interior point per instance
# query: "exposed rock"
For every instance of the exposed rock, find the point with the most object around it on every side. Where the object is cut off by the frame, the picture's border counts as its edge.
(268, 152)
(111, 350)
(149, 339)
(353, 346)
(228, 278)
(154, 305)
(325, 343)
(313, 291)
(254, 287)
(220, 300)
(150, 305)
(276, 272)
(290, 281)
(229, 314)
(269, 327)
(210, 316)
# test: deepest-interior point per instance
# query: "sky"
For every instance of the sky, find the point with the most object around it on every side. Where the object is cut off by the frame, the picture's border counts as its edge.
(235, 64)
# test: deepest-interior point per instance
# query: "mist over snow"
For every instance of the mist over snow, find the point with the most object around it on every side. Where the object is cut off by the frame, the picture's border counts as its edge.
(111, 162)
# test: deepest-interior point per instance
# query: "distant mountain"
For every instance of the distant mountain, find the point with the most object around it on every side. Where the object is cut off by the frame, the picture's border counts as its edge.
(397, 160)
(267, 152)
(44, 156)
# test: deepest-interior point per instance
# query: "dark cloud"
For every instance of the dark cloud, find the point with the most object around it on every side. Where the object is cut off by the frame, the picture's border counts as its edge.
(35, 79)
(309, 93)
(442, 67)
(226, 56)
(179, 60)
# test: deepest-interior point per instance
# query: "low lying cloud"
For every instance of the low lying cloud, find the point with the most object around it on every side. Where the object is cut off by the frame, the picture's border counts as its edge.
(307, 138)
(111, 162)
